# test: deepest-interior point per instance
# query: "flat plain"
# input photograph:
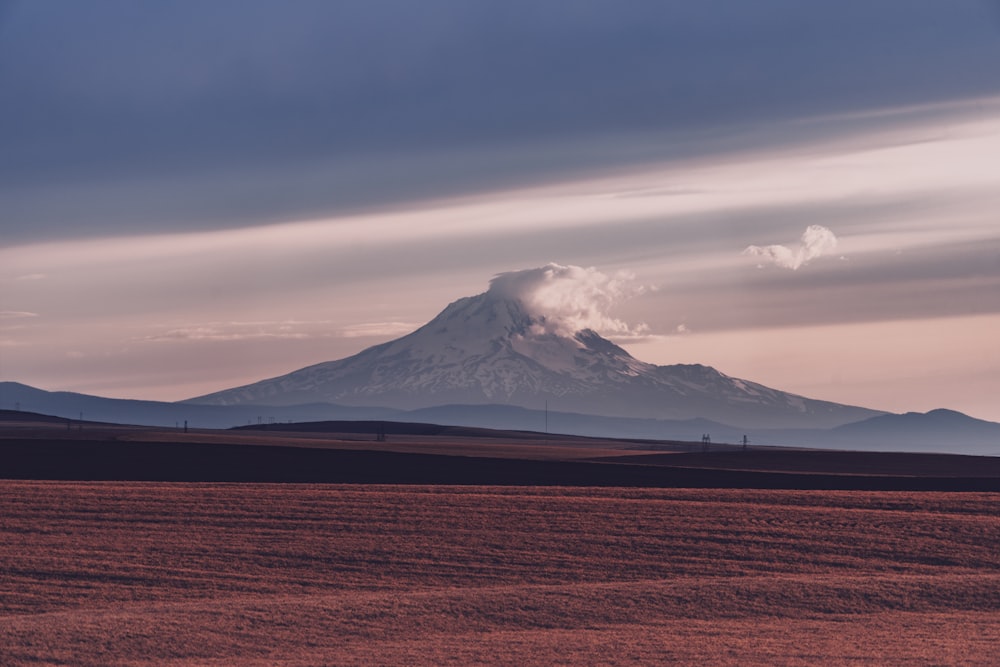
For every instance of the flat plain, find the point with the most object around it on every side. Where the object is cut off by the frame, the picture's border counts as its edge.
(142, 573)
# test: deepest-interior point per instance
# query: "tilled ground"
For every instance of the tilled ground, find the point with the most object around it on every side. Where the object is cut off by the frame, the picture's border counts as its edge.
(194, 574)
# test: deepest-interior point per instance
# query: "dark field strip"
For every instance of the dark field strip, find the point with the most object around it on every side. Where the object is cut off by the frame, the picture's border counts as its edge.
(218, 574)
(885, 464)
(88, 460)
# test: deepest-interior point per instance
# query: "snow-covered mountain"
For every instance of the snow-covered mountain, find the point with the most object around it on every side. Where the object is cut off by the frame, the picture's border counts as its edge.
(488, 349)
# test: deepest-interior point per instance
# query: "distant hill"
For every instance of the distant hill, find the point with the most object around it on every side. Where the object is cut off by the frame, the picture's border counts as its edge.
(504, 417)
(942, 431)
(33, 417)
(369, 427)
(508, 417)
(940, 427)
(72, 405)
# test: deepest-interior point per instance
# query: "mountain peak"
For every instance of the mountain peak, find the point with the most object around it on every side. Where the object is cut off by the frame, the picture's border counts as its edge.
(483, 313)
(496, 348)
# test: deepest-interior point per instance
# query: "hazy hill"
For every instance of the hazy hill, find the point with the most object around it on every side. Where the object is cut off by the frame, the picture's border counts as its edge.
(921, 430)
(72, 405)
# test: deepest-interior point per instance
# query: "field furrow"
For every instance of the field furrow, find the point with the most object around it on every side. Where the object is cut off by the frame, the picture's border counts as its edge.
(177, 574)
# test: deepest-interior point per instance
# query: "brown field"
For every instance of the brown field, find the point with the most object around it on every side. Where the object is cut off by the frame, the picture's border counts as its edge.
(133, 573)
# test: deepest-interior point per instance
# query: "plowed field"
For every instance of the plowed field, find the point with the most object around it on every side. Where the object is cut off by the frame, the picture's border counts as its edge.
(116, 573)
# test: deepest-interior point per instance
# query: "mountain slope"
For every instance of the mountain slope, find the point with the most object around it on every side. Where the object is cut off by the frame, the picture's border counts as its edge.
(487, 349)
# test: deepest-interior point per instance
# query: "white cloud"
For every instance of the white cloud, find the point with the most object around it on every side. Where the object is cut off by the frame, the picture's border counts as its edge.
(567, 299)
(16, 314)
(376, 329)
(276, 330)
(223, 333)
(815, 242)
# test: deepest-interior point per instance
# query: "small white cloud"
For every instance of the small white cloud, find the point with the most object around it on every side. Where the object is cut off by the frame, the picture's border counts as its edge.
(815, 242)
(16, 314)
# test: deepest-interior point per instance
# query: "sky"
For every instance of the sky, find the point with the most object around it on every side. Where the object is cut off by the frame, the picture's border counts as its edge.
(197, 195)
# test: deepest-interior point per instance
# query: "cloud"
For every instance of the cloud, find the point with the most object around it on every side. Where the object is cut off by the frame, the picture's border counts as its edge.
(377, 329)
(568, 299)
(815, 242)
(16, 314)
(232, 331)
(357, 87)
(260, 330)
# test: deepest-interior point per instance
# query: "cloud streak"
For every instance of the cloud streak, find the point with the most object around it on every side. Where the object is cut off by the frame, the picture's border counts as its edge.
(377, 329)
(229, 331)
(264, 330)
(815, 242)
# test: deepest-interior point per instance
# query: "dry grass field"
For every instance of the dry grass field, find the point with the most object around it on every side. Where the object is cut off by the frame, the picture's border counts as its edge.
(132, 573)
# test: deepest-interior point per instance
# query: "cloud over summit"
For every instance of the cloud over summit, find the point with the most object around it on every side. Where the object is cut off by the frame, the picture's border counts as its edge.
(568, 299)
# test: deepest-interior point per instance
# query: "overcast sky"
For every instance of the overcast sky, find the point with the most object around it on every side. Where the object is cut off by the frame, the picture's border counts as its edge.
(195, 195)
